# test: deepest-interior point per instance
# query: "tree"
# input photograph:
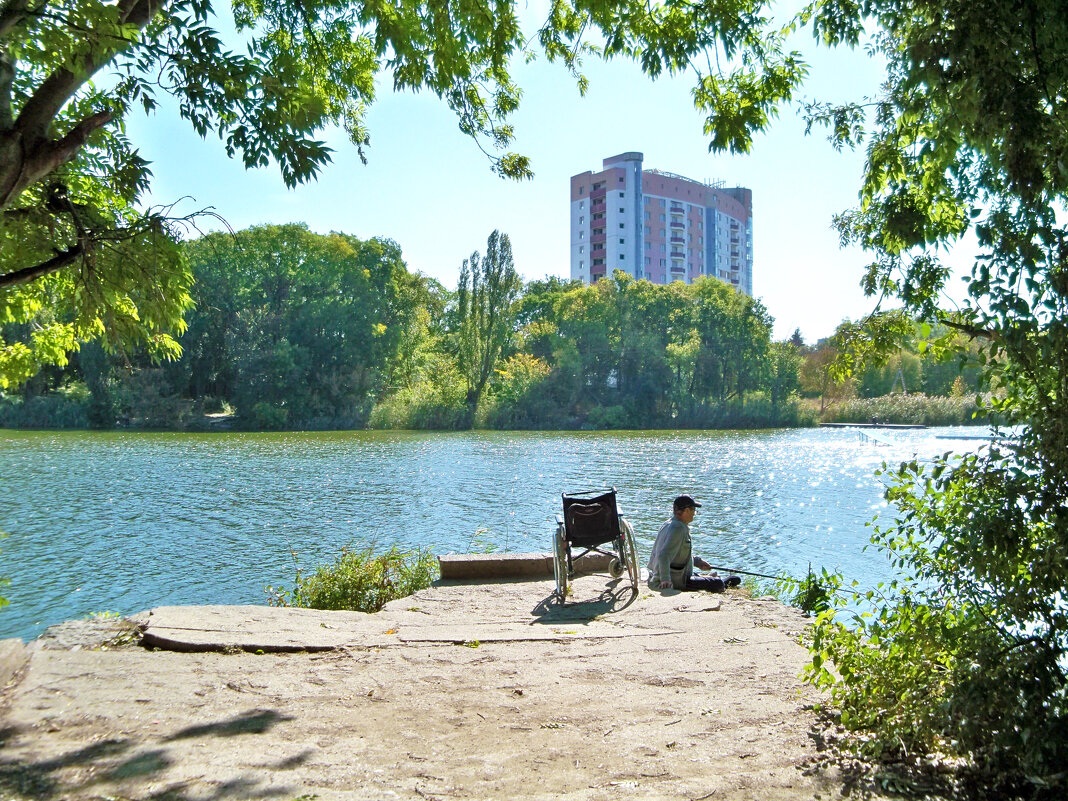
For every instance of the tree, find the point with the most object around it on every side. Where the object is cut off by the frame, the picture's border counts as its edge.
(967, 651)
(784, 370)
(81, 259)
(297, 328)
(485, 307)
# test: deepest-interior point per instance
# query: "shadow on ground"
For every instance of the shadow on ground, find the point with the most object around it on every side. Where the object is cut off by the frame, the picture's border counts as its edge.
(616, 597)
(111, 762)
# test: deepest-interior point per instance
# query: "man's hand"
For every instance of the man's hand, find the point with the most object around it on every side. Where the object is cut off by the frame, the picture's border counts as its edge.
(701, 564)
(665, 585)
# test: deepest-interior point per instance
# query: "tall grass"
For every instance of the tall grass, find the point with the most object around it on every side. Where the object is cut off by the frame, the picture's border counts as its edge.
(48, 411)
(360, 580)
(915, 409)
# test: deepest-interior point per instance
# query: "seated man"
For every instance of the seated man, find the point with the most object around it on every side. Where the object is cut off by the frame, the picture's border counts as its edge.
(672, 562)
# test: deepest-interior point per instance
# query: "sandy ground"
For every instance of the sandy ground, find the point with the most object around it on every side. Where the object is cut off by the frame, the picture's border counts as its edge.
(463, 691)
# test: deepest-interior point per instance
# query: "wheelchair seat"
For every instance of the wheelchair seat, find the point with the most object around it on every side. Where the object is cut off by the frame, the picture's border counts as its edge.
(591, 519)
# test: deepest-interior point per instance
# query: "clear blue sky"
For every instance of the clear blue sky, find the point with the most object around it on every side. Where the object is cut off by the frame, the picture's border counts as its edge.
(431, 189)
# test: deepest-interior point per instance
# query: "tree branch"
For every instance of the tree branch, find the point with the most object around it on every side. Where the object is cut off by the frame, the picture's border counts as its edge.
(58, 88)
(54, 264)
(12, 12)
(971, 330)
(7, 79)
(44, 157)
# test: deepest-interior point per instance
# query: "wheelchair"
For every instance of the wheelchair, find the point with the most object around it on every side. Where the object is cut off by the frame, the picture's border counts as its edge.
(592, 519)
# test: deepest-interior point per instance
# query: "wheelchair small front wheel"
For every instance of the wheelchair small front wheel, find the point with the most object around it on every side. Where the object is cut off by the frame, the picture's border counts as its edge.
(615, 568)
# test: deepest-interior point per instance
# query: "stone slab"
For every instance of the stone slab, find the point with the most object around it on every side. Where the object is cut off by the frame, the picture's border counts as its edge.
(480, 566)
(258, 628)
(13, 657)
(495, 632)
(278, 630)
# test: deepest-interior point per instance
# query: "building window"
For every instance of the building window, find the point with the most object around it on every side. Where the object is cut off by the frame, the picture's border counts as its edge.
(622, 225)
(621, 179)
(582, 219)
(582, 234)
(621, 257)
(621, 240)
(648, 261)
(581, 264)
(661, 247)
(663, 262)
(662, 232)
(582, 190)
(581, 248)
(661, 204)
(662, 219)
(621, 210)
(621, 193)
(647, 216)
(648, 246)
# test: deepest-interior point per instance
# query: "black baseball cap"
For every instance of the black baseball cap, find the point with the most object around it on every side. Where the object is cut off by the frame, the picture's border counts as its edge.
(685, 502)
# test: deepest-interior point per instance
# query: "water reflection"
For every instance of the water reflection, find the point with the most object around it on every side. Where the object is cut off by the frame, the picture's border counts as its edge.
(128, 521)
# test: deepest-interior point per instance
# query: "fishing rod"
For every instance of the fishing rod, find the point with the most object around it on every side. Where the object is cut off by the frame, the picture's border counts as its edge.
(746, 572)
(782, 578)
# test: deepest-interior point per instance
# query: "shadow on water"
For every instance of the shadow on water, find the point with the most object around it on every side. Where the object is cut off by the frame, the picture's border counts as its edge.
(84, 770)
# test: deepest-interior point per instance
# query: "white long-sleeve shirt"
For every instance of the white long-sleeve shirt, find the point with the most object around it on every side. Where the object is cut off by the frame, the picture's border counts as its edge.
(672, 556)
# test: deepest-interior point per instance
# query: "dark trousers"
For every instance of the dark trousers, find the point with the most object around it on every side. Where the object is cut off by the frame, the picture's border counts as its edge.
(707, 583)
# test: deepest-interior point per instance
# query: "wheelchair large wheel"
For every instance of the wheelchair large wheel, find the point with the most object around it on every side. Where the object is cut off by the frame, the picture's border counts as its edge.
(630, 556)
(560, 563)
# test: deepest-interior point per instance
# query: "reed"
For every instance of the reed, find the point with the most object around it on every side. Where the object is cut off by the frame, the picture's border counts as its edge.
(914, 409)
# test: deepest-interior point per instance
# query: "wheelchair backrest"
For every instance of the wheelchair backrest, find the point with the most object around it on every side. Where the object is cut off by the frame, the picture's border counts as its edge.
(591, 520)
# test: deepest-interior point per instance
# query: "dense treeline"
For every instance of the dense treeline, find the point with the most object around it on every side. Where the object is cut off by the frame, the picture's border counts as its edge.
(292, 329)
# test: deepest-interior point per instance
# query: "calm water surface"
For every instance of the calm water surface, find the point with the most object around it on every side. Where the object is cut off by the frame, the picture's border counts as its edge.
(129, 521)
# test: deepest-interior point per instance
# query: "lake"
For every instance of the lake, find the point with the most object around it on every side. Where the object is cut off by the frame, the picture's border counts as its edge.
(125, 521)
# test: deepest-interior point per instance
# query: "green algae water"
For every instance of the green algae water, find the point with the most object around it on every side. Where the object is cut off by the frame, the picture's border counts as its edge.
(125, 521)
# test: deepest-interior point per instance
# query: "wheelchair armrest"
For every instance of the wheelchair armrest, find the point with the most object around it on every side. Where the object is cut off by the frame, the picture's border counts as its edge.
(559, 520)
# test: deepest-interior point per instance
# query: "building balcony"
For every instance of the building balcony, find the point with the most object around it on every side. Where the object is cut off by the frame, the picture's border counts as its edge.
(598, 238)
(678, 210)
(678, 240)
(678, 256)
(678, 224)
(598, 207)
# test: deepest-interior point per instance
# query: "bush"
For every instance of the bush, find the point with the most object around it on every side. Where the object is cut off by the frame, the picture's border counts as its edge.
(268, 417)
(360, 580)
(46, 411)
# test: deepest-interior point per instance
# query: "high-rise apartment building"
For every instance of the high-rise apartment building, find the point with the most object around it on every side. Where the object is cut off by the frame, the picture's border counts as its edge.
(659, 226)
